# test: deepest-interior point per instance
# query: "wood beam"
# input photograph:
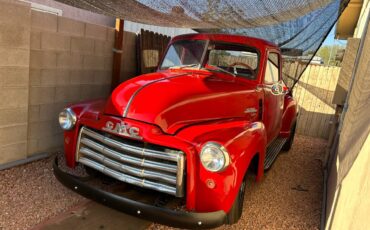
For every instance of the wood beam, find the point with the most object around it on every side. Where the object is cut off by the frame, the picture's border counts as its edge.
(117, 53)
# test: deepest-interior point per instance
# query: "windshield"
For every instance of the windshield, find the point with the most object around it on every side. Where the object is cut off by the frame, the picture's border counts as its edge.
(184, 53)
(238, 60)
(229, 58)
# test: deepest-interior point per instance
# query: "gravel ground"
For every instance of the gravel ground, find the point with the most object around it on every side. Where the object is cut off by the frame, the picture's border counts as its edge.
(289, 197)
(30, 194)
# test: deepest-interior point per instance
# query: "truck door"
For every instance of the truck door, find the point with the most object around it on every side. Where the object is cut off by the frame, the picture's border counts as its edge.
(274, 97)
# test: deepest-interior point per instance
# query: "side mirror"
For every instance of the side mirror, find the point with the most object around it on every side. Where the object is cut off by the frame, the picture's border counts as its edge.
(277, 89)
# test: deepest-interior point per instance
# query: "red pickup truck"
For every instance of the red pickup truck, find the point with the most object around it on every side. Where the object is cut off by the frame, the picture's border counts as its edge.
(215, 108)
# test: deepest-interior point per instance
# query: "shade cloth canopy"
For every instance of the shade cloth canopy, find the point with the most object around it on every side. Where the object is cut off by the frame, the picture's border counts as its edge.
(297, 26)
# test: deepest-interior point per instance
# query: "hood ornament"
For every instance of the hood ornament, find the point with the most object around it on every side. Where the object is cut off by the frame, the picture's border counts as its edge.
(122, 129)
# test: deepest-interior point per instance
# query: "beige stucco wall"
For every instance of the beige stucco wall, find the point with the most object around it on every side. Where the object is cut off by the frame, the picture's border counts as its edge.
(361, 23)
(46, 63)
(353, 203)
(345, 75)
(348, 194)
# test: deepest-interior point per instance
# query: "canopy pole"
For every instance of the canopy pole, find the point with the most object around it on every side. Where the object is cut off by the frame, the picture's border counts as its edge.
(117, 53)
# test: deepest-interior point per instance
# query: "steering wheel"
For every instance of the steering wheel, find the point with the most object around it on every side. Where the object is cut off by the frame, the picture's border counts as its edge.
(242, 64)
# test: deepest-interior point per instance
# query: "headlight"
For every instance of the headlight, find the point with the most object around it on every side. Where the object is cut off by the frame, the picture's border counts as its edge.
(214, 157)
(67, 119)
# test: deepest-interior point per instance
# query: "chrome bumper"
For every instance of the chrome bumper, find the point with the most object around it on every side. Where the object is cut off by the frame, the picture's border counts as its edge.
(179, 219)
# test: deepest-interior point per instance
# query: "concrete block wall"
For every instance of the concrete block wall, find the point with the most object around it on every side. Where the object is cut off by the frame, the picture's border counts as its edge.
(70, 61)
(46, 63)
(14, 72)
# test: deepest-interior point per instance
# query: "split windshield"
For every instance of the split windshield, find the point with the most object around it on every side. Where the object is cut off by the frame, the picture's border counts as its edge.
(184, 53)
(236, 60)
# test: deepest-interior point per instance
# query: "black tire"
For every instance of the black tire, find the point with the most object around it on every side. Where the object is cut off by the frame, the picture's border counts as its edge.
(237, 209)
(288, 144)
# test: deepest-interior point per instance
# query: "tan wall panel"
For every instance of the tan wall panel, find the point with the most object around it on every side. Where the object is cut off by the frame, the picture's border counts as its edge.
(13, 152)
(83, 45)
(11, 116)
(14, 56)
(70, 61)
(71, 27)
(46, 62)
(345, 75)
(348, 198)
(356, 124)
(43, 59)
(14, 36)
(14, 13)
(14, 76)
(96, 32)
(55, 41)
(13, 134)
(44, 21)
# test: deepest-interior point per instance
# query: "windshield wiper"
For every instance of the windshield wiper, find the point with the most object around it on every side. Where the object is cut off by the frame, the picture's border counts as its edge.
(220, 69)
(184, 66)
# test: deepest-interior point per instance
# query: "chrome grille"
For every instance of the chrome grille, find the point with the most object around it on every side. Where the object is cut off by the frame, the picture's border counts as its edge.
(145, 165)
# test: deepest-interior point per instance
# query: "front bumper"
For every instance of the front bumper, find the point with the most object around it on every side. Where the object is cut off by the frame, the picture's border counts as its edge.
(180, 219)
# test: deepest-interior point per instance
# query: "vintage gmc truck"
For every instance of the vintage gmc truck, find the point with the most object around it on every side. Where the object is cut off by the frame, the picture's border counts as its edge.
(215, 108)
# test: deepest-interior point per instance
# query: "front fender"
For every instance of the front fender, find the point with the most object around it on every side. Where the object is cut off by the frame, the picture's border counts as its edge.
(87, 109)
(243, 140)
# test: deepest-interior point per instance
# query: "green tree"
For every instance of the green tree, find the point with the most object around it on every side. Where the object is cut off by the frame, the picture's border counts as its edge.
(328, 53)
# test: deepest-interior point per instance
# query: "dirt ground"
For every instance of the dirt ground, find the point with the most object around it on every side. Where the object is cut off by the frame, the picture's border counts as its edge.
(289, 196)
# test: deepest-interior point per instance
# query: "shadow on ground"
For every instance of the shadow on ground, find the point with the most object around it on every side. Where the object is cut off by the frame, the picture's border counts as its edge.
(289, 197)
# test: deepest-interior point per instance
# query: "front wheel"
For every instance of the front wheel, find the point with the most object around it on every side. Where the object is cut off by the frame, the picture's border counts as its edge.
(288, 144)
(236, 210)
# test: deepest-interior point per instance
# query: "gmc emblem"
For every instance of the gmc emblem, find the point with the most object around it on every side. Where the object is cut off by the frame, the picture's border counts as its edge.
(122, 129)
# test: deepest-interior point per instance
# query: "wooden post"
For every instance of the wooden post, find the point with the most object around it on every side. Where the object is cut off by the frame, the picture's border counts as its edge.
(117, 53)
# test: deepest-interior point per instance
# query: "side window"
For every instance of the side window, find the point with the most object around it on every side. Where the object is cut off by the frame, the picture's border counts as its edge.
(272, 68)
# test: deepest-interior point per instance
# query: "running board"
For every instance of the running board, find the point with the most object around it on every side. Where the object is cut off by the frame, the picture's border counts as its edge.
(272, 151)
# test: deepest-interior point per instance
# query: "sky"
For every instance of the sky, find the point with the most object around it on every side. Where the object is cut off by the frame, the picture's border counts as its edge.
(330, 40)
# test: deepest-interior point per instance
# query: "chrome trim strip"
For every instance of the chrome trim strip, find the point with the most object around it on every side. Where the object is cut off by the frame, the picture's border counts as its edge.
(77, 157)
(142, 87)
(127, 178)
(180, 175)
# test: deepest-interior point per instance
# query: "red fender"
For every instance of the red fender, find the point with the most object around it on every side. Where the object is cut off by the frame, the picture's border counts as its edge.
(88, 109)
(243, 140)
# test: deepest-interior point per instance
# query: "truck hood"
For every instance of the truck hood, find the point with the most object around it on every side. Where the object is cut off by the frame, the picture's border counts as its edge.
(174, 100)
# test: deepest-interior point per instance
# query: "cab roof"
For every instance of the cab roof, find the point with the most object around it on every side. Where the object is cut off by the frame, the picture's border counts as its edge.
(229, 38)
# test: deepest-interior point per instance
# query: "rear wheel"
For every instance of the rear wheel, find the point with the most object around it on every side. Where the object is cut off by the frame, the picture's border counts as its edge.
(288, 144)
(236, 210)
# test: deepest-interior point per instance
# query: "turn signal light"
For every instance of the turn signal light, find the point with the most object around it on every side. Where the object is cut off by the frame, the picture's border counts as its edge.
(210, 183)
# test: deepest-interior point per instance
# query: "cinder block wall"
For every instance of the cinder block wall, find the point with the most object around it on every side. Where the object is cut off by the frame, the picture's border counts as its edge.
(70, 61)
(14, 72)
(46, 63)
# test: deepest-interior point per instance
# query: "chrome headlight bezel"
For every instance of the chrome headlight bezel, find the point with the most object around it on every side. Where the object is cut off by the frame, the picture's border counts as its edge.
(219, 151)
(67, 119)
